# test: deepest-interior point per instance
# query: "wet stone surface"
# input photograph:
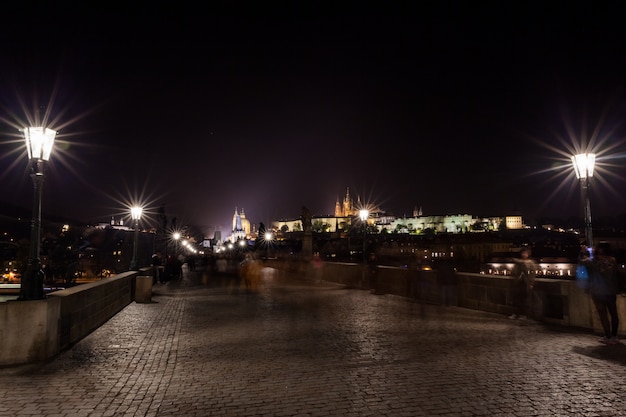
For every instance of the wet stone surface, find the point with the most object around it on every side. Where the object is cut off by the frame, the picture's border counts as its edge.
(296, 348)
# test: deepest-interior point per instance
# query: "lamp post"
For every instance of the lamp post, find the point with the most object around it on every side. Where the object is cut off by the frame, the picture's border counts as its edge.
(176, 237)
(39, 142)
(268, 243)
(583, 166)
(363, 215)
(135, 213)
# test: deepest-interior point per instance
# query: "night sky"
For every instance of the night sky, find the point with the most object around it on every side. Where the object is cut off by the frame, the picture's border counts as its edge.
(454, 107)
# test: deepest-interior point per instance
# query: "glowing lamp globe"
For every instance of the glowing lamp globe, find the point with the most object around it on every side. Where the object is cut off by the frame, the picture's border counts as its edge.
(39, 142)
(584, 164)
(135, 212)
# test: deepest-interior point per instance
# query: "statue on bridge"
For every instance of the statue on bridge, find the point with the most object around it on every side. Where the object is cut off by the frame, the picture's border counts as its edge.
(305, 218)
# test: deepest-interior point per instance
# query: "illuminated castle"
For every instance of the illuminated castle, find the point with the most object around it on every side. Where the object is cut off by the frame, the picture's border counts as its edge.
(347, 211)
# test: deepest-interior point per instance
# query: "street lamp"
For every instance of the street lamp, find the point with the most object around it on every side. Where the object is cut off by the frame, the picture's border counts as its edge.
(176, 237)
(135, 213)
(39, 142)
(268, 243)
(364, 214)
(583, 166)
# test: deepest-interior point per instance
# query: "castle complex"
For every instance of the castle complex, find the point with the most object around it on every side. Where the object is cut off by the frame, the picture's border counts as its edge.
(347, 211)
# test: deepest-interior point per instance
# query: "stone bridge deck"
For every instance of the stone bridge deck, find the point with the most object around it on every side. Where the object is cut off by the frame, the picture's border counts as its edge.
(207, 347)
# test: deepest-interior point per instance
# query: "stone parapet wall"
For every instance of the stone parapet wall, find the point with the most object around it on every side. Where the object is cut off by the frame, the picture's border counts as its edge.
(28, 331)
(87, 306)
(34, 331)
(554, 301)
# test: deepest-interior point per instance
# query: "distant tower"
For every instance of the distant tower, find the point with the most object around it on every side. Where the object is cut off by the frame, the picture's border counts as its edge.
(347, 203)
(416, 212)
(241, 225)
(236, 221)
(338, 212)
(245, 223)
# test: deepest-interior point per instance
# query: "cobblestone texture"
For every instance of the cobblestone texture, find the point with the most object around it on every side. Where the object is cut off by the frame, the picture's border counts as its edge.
(297, 348)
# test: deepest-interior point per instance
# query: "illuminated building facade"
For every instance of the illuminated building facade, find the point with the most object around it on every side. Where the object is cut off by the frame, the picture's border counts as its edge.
(241, 226)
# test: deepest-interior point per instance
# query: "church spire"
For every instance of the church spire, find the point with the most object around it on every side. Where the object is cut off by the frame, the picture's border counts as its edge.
(347, 203)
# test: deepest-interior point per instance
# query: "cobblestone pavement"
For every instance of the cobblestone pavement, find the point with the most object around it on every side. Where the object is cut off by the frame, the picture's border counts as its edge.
(300, 348)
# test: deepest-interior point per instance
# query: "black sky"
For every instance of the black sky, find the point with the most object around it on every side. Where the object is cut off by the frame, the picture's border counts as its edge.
(452, 106)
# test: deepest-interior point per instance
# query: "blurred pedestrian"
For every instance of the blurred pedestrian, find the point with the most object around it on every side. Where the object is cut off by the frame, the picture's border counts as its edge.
(524, 273)
(372, 270)
(447, 279)
(221, 264)
(603, 288)
(156, 268)
(317, 266)
(250, 272)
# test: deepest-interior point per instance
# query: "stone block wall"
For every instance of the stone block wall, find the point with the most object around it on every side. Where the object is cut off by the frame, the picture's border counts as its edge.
(86, 307)
(37, 330)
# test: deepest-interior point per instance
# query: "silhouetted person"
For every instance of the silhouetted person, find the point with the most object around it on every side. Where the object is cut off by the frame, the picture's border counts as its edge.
(48, 277)
(156, 268)
(191, 263)
(603, 288)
